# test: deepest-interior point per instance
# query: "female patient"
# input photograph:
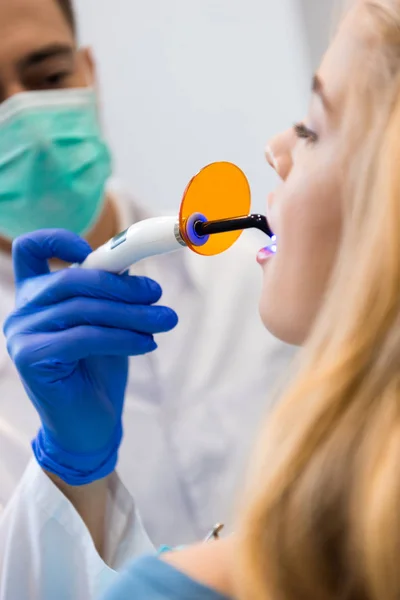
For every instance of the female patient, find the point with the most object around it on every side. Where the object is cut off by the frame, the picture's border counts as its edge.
(322, 519)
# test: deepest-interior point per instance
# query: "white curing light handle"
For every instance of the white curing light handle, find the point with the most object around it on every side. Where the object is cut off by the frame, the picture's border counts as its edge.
(147, 238)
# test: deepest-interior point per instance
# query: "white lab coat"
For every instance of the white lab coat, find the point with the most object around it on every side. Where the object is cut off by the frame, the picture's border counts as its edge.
(46, 552)
(192, 409)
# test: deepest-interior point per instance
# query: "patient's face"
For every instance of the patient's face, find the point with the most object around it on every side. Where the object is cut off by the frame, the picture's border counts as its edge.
(38, 49)
(306, 211)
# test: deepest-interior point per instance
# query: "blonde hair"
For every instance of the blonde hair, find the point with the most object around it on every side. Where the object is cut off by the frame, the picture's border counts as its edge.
(323, 517)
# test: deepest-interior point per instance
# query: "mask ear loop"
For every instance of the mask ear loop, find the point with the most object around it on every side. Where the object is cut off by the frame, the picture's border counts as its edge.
(91, 83)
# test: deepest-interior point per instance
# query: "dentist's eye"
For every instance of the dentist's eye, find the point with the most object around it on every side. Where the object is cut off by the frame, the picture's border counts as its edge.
(56, 79)
(305, 133)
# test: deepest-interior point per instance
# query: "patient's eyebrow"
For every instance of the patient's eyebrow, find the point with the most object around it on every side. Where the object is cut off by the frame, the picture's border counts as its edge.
(318, 88)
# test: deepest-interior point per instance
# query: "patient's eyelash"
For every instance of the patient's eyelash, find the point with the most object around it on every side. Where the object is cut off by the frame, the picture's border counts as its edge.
(305, 133)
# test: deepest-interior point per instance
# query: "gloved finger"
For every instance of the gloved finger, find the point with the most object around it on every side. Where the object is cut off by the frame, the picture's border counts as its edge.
(32, 251)
(89, 311)
(76, 344)
(70, 283)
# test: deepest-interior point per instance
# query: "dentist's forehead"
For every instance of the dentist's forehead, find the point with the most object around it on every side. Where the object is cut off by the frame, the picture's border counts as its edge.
(18, 18)
(30, 26)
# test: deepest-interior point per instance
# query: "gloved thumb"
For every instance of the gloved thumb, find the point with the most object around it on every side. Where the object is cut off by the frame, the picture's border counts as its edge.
(32, 251)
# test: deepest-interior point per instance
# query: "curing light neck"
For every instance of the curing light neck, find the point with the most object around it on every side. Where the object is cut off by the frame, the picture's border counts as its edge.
(207, 228)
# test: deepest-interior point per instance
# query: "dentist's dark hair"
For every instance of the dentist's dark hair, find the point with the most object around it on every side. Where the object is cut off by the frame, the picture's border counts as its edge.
(69, 12)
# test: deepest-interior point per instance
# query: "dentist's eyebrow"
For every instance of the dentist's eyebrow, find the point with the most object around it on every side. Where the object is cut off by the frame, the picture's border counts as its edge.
(318, 88)
(47, 52)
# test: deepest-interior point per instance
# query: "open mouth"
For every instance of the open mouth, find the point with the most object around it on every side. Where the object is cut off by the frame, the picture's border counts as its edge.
(267, 252)
(273, 246)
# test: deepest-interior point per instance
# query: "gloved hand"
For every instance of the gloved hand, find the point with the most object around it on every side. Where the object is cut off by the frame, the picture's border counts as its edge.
(70, 337)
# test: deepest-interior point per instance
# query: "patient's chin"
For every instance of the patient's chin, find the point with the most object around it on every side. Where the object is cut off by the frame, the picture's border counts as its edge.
(281, 324)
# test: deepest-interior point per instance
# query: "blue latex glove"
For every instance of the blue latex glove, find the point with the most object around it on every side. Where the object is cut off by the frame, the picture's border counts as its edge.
(70, 338)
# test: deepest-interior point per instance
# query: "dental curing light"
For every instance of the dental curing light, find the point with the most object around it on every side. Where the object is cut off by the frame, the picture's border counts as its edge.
(214, 213)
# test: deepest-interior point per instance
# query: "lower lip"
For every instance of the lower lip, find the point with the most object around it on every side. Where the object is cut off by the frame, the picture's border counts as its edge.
(264, 255)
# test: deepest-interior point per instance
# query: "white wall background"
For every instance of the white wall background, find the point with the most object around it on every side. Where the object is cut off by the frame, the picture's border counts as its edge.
(187, 82)
(320, 19)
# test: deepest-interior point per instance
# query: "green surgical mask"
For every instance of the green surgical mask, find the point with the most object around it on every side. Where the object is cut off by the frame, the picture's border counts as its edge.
(54, 163)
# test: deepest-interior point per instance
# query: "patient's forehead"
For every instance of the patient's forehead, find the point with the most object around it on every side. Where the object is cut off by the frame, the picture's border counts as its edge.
(352, 46)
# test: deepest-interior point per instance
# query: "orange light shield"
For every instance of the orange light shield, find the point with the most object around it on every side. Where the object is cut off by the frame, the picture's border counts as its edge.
(219, 191)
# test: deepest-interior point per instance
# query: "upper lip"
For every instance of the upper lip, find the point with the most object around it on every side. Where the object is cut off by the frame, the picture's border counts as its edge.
(270, 220)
